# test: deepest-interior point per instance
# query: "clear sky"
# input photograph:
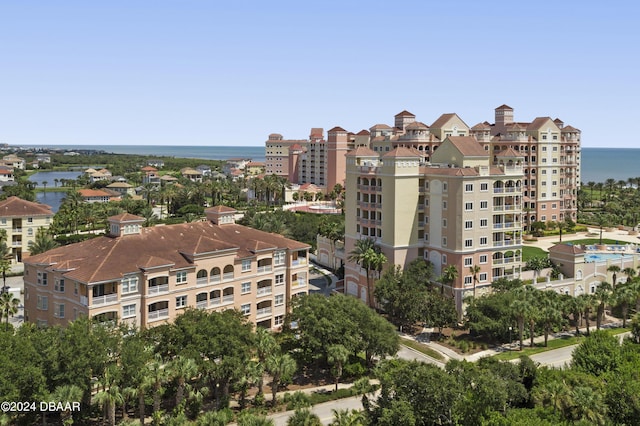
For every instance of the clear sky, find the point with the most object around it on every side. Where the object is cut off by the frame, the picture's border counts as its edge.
(207, 72)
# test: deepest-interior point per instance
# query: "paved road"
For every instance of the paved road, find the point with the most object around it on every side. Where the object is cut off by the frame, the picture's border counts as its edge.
(324, 410)
(557, 358)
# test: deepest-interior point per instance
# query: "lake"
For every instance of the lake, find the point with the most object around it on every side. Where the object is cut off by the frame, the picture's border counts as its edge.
(52, 198)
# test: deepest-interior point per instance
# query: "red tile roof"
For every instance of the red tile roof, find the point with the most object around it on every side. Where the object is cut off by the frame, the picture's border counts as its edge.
(404, 113)
(14, 206)
(401, 151)
(468, 146)
(362, 151)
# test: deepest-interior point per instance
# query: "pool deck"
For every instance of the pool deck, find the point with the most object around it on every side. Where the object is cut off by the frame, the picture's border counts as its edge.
(622, 237)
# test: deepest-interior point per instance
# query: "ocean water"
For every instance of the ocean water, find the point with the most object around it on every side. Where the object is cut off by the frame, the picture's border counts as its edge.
(598, 164)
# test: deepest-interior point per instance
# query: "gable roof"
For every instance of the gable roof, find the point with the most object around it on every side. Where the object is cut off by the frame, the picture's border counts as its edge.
(468, 146)
(401, 151)
(404, 113)
(362, 151)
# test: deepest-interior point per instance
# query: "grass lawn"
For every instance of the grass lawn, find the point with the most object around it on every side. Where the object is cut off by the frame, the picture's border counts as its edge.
(528, 252)
(422, 348)
(552, 344)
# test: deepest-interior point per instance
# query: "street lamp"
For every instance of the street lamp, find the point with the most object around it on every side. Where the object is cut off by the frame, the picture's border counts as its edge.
(510, 341)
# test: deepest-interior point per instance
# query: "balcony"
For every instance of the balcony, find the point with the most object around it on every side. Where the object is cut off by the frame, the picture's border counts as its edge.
(263, 291)
(16, 230)
(227, 299)
(263, 269)
(263, 312)
(203, 304)
(159, 314)
(227, 276)
(299, 261)
(217, 301)
(202, 281)
(84, 300)
(156, 289)
(103, 300)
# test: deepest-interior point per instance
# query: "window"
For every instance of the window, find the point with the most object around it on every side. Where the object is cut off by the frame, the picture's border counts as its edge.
(245, 288)
(483, 223)
(468, 242)
(543, 218)
(42, 278)
(278, 300)
(279, 258)
(544, 195)
(483, 277)
(129, 285)
(245, 309)
(30, 232)
(246, 265)
(555, 182)
(468, 280)
(43, 303)
(484, 187)
(444, 205)
(444, 186)
(468, 261)
(181, 302)
(468, 224)
(75, 288)
(484, 205)
(444, 259)
(279, 279)
(58, 285)
(468, 206)
(444, 241)
(468, 187)
(444, 223)
(58, 310)
(483, 258)
(554, 205)
(29, 220)
(544, 172)
(279, 320)
(543, 206)
(129, 311)
(181, 277)
(483, 241)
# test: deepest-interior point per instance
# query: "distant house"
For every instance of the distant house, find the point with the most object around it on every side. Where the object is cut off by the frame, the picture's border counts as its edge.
(6, 174)
(14, 161)
(43, 158)
(192, 174)
(150, 175)
(253, 168)
(155, 163)
(122, 188)
(21, 219)
(205, 170)
(235, 163)
(102, 174)
(98, 195)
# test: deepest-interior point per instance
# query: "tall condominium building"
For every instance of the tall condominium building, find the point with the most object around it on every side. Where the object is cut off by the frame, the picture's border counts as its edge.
(463, 208)
(146, 276)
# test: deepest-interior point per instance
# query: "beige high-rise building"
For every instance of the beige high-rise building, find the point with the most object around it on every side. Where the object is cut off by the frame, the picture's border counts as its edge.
(463, 208)
(20, 219)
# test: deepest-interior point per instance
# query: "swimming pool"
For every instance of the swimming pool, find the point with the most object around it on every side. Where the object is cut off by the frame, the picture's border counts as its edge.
(601, 257)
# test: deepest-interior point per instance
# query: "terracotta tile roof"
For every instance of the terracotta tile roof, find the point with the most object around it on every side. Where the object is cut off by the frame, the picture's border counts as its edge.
(295, 147)
(316, 132)
(468, 146)
(454, 171)
(404, 113)
(566, 248)
(570, 129)
(119, 185)
(481, 126)
(126, 217)
(14, 206)
(363, 133)
(337, 129)
(538, 123)
(380, 127)
(85, 193)
(362, 151)
(558, 122)
(442, 120)
(168, 177)
(504, 106)
(220, 209)
(509, 152)
(255, 164)
(107, 258)
(149, 169)
(90, 170)
(417, 125)
(401, 151)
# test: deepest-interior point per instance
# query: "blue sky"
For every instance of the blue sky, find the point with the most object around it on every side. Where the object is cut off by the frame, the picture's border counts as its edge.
(198, 72)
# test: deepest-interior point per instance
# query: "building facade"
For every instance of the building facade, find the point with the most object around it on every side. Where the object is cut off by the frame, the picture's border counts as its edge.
(146, 276)
(21, 219)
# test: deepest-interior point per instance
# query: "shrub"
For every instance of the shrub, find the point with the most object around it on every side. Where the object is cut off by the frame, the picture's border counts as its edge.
(296, 400)
(354, 370)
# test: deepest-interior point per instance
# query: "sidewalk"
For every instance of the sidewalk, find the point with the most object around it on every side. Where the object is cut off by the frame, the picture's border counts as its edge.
(449, 353)
(546, 242)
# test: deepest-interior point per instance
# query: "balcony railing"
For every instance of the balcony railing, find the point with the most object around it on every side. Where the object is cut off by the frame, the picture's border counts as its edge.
(264, 290)
(160, 313)
(299, 261)
(202, 281)
(155, 289)
(216, 301)
(16, 230)
(227, 299)
(101, 300)
(263, 312)
(227, 276)
(202, 304)
(84, 300)
(214, 279)
(262, 269)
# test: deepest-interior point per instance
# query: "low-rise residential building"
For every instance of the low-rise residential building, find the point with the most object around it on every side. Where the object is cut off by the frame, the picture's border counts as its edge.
(192, 174)
(146, 276)
(122, 188)
(21, 219)
(6, 174)
(98, 195)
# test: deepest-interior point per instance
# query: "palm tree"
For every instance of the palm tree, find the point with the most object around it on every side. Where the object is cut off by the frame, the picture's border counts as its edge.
(9, 305)
(577, 306)
(348, 418)
(615, 269)
(474, 270)
(181, 369)
(109, 396)
(523, 309)
(603, 297)
(303, 417)
(155, 378)
(337, 355)
(366, 254)
(42, 242)
(555, 393)
(630, 273)
(623, 295)
(550, 313)
(588, 405)
(279, 366)
(64, 394)
(449, 276)
(266, 345)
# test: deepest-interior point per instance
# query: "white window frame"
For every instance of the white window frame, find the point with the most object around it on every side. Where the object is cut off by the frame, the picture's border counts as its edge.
(129, 285)
(278, 300)
(181, 301)
(246, 265)
(245, 287)
(181, 277)
(129, 311)
(245, 309)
